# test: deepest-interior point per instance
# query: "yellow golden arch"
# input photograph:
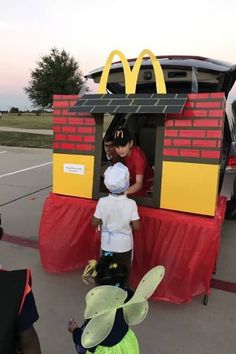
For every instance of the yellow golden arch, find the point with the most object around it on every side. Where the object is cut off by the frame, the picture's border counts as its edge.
(131, 75)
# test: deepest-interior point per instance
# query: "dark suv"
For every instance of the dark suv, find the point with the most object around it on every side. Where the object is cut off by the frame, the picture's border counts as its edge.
(183, 74)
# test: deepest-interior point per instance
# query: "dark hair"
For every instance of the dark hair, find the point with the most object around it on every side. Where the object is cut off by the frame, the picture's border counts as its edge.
(111, 272)
(109, 138)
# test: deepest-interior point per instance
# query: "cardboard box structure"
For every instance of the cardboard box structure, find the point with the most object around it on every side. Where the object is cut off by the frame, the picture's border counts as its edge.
(189, 134)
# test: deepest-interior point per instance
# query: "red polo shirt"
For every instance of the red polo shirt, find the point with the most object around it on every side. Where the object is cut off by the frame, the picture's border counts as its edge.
(137, 164)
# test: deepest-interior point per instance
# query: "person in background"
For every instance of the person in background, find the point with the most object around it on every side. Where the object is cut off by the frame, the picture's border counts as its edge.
(111, 155)
(117, 215)
(18, 312)
(230, 212)
(141, 173)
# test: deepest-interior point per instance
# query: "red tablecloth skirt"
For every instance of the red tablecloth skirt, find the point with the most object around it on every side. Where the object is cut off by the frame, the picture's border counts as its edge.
(186, 244)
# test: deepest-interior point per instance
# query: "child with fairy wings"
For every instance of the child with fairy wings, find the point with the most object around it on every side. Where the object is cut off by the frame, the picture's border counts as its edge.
(111, 308)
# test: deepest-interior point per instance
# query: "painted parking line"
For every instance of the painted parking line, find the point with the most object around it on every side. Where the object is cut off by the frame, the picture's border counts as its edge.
(2, 152)
(25, 169)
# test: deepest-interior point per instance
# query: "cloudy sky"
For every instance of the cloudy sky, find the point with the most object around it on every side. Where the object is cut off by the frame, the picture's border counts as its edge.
(89, 30)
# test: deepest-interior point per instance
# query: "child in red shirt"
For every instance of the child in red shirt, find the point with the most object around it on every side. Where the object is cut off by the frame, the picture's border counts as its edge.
(141, 173)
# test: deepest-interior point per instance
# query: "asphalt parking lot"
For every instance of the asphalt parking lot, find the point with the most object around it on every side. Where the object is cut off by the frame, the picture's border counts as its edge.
(25, 181)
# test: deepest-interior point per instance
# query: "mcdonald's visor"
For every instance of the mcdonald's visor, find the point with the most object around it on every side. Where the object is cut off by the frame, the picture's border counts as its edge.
(122, 137)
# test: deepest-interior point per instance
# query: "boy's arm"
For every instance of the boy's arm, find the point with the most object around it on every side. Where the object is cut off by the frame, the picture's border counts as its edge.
(95, 221)
(136, 186)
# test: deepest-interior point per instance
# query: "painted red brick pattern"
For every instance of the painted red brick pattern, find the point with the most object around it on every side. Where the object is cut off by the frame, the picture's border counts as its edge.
(200, 125)
(72, 131)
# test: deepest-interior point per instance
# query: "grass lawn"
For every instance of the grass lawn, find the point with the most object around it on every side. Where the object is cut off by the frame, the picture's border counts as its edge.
(26, 140)
(27, 121)
(31, 121)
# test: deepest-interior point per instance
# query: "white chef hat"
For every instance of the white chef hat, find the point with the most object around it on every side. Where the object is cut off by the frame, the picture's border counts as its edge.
(116, 178)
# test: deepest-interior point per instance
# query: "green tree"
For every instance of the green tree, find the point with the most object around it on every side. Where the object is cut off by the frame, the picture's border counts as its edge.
(56, 73)
(14, 110)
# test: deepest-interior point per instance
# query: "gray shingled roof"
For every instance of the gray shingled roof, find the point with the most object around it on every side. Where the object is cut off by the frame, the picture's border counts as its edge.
(130, 103)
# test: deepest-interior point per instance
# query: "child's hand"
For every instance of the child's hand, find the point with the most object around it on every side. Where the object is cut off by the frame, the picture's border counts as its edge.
(72, 325)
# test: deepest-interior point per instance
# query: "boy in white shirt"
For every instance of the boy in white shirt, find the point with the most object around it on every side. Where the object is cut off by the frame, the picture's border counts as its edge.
(117, 215)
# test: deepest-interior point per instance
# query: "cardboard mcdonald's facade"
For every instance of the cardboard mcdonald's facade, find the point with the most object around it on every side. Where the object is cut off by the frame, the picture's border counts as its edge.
(189, 133)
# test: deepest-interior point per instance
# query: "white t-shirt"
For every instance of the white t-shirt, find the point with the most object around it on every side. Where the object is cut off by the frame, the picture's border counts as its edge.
(116, 213)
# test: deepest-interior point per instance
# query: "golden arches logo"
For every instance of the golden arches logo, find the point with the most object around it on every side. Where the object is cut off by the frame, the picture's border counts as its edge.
(131, 75)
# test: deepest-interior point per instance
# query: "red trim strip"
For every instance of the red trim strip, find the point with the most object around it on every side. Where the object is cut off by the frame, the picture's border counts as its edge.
(223, 285)
(215, 283)
(22, 241)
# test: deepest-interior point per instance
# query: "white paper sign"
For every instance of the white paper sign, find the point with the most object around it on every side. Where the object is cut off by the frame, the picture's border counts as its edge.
(74, 168)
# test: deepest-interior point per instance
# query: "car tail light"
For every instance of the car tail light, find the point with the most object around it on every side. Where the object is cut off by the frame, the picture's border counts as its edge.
(231, 162)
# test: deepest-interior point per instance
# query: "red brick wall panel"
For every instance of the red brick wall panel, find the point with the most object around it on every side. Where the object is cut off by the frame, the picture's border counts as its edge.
(167, 142)
(216, 113)
(56, 129)
(60, 104)
(169, 123)
(183, 122)
(204, 143)
(205, 122)
(85, 147)
(200, 125)
(59, 120)
(195, 113)
(212, 154)
(198, 96)
(171, 133)
(75, 138)
(214, 134)
(56, 145)
(56, 112)
(89, 139)
(189, 104)
(219, 95)
(86, 130)
(181, 142)
(76, 121)
(72, 131)
(192, 133)
(189, 153)
(171, 152)
(207, 104)
(67, 146)
(68, 129)
(60, 137)
(89, 121)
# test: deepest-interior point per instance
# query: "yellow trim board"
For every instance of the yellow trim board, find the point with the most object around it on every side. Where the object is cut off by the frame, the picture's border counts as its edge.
(189, 187)
(73, 175)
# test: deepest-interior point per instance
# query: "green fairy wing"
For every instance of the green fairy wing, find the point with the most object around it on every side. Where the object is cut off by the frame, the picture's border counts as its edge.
(135, 313)
(98, 329)
(102, 299)
(135, 310)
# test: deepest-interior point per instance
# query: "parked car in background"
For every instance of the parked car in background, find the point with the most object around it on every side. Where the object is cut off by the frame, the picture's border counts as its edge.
(183, 74)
